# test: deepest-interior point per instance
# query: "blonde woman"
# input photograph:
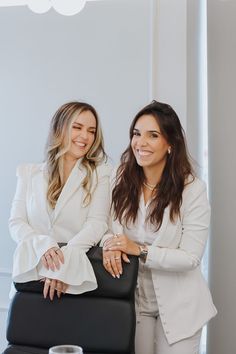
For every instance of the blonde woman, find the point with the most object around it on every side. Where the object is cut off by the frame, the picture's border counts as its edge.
(63, 200)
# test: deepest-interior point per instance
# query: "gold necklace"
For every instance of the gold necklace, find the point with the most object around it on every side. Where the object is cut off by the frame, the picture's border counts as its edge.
(149, 186)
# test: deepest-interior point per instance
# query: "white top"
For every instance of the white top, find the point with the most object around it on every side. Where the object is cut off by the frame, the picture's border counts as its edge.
(140, 231)
(36, 229)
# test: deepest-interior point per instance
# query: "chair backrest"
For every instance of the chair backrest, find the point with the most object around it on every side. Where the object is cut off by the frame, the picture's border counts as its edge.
(100, 321)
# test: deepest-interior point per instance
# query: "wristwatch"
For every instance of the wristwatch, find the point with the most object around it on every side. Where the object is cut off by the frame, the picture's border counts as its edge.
(143, 252)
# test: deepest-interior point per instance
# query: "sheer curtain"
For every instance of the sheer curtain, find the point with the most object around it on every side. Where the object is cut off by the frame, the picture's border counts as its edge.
(179, 76)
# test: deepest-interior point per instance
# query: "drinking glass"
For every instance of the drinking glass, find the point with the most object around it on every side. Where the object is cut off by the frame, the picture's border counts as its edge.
(65, 349)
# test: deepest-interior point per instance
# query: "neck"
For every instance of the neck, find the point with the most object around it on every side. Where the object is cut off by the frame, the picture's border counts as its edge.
(152, 175)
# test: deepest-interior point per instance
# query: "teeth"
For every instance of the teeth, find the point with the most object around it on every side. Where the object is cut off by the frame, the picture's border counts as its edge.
(144, 153)
(80, 144)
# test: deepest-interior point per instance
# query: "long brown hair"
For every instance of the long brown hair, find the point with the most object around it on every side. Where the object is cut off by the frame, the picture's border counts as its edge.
(130, 176)
(61, 125)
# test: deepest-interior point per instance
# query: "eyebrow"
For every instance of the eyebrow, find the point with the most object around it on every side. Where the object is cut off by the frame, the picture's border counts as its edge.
(81, 125)
(149, 131)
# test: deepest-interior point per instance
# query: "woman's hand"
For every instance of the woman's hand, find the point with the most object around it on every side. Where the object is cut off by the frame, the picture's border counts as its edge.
(123, 244)
(52, 258)
(112, 262)
(52, 285)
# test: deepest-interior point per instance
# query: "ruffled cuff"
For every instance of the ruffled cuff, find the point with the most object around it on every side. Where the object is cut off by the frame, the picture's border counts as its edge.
(76, 271)
(27, 256)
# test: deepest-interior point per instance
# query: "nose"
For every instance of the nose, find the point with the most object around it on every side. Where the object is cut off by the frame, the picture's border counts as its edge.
(142, 141)
(84, 134)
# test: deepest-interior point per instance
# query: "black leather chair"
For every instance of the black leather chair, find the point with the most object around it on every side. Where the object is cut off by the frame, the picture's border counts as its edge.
(101, 321)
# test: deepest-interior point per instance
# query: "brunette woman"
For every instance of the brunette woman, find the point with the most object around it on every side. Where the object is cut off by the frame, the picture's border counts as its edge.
(161, 214)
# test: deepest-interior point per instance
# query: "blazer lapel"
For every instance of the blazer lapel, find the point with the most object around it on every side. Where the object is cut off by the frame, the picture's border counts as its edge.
(72, 184)
(39, 192)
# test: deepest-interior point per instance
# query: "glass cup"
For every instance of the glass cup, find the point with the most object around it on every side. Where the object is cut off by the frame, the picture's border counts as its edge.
(64, 349)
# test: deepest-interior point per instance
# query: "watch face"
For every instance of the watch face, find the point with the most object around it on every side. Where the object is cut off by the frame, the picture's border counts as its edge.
(143, 251)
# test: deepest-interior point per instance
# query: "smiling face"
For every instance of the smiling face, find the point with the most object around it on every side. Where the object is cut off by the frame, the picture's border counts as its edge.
(83, 133)
(148, 144)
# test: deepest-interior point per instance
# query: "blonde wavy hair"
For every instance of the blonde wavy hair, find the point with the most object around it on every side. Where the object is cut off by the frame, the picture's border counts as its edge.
(60, 131)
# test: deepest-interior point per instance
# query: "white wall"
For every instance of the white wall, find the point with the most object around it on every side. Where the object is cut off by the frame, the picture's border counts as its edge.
(170, 54)
(101, 55)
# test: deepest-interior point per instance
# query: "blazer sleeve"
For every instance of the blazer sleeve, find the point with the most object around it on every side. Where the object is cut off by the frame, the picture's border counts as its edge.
(30, 244)
(77, 270)
(194, 233)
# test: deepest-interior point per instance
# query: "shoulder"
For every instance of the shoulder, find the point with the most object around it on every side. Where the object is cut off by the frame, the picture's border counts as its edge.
(25, 170)
(195, 192)
(193, 185)
(104, 169)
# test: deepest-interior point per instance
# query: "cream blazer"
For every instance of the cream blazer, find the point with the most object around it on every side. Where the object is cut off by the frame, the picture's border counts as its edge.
(182, 294)
(36, 229)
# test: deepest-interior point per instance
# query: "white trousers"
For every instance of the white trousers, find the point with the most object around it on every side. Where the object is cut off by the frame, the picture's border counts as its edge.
(150, 339)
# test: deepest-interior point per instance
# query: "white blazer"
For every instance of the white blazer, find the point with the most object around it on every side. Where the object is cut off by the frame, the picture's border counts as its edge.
(36, 229)
(182, 294)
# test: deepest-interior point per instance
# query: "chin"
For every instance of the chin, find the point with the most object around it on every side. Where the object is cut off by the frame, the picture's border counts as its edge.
(143, 163)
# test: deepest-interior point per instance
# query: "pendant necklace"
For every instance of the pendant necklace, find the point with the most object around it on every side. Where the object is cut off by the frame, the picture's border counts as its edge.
(150, 186)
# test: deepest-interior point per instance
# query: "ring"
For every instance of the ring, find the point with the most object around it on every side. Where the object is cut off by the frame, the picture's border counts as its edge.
(117, 258)
(118, 243)
(48, 281)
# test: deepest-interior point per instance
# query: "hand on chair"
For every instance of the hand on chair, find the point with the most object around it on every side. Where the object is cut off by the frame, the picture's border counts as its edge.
(52, 285)
(52, 258)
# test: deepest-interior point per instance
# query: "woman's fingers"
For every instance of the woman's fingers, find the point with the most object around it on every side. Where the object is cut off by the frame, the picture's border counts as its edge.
(52, 258)
(55, 258)
(44, 261)
(49, 261)
(52, 289)
(118, 262)
(108, 267)
(112, 263)
(116, 243)
(60, 255)
(59, 288)
(46, 287)
(52, 285)
(125, 258)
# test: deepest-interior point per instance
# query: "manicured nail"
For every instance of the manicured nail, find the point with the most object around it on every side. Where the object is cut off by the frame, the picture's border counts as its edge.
(118, 276)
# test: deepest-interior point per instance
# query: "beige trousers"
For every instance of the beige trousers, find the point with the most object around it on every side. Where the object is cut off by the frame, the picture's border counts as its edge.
(150, 339)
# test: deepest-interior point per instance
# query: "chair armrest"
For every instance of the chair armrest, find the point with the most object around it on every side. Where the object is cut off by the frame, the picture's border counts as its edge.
(107, 285)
